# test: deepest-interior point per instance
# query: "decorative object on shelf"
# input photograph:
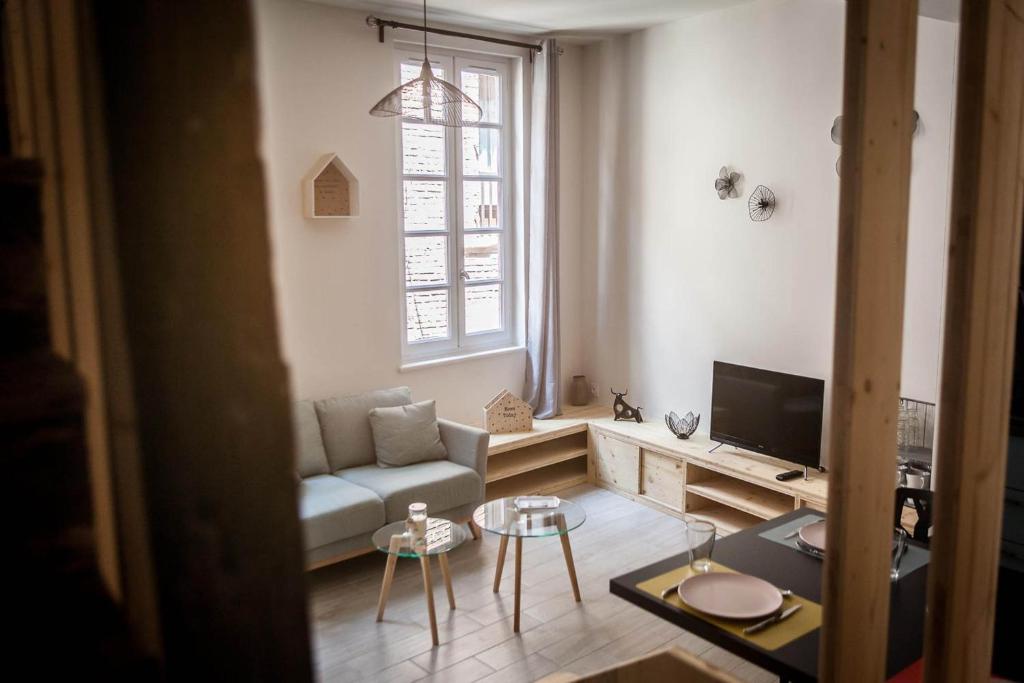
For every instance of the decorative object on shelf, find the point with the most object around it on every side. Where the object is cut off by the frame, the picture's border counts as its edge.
(580, 391)
(429, 98)
(837, 134)
(726, 184)
(624, 411)
(506, 413)
(330, 190)
(682, 427)
(761, 204)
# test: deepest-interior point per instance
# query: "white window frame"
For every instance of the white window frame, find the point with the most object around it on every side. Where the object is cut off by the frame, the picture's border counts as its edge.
(458, 341)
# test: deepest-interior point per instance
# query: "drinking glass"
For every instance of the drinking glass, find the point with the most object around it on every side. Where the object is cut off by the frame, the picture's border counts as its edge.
(700, 536)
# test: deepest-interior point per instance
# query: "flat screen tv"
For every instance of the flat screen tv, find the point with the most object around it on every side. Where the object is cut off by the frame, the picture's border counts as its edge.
(768, 412)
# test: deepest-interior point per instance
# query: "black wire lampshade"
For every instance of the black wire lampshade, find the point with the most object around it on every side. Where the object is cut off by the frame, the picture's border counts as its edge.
(428, 98)
(431, 100)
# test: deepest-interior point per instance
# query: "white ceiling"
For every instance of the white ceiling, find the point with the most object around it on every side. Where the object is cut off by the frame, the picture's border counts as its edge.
(582, 19)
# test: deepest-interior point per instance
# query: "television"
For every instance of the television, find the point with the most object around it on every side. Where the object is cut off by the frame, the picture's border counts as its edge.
(768, 412)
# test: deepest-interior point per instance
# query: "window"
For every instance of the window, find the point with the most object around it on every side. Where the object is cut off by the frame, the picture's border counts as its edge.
(455, 219)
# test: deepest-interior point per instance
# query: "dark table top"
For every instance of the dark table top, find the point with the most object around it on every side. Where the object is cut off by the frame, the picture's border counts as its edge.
(747, 552)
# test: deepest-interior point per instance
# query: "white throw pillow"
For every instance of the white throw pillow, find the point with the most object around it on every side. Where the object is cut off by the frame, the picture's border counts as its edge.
(404, 435)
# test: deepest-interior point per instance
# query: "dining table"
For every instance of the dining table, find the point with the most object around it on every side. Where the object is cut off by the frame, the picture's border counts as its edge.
(750, 552)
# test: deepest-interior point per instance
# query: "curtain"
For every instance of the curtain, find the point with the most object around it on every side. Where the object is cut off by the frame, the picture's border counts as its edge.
(543, 344)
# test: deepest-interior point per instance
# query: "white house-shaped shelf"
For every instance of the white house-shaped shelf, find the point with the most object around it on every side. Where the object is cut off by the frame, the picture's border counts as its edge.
(331, 190)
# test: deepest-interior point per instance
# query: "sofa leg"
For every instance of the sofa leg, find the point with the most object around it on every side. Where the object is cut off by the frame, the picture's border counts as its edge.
(474, 530)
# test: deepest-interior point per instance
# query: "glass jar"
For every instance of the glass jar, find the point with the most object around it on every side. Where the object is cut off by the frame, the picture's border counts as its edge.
(416, 525)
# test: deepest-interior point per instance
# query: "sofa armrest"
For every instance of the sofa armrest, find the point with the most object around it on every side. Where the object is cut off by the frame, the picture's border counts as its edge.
(466, 445)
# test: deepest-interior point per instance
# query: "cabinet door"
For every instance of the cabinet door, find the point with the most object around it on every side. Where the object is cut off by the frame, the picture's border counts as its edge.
(617, 463)
(662, 479)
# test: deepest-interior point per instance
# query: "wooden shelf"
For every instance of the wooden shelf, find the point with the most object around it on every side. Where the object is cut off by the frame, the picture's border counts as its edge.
(572, 421)
(541, 481)
(743, 496)
(727, 519)
(513, 463)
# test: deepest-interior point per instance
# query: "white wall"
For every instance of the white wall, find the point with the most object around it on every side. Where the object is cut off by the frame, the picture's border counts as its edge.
(337, 282)
(680, 278)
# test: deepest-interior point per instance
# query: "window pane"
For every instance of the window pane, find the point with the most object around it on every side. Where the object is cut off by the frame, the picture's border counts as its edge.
(483, 308)
(426, 315)
(426, 260)
(422, 149)
(424, 205)
(480, 151)
(481, 203)
(412, 98)
(483, 256)
(485, 90)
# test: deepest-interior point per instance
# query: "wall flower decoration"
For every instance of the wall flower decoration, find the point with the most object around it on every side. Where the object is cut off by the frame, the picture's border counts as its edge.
(726, 184)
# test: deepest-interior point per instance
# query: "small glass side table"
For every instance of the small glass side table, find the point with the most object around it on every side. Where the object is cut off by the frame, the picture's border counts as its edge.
(501, 517)
(442, 536)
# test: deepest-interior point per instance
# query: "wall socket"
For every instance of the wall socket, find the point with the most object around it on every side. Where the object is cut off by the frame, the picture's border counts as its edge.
(593, 388)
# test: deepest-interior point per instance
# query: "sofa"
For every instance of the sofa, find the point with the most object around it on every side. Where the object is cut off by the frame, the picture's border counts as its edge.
(344, 496)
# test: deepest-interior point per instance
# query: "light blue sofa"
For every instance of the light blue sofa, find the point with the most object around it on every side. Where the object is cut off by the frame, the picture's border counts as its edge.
(344, 496)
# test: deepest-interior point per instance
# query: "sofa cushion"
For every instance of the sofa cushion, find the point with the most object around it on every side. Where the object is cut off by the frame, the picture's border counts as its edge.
(310, 456)
(345, 425)
(332, 509)
(440, 484)
(405, 435)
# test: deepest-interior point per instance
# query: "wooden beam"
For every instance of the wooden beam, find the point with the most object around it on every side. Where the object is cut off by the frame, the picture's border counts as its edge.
(208, 384)
(977, 366)
(878, 91)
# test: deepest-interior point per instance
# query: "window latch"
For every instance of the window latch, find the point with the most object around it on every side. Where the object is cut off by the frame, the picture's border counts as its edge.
(463, 274)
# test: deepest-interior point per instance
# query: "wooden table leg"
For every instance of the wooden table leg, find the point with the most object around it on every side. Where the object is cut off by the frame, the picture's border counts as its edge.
(567, 551)
(519, 578)
(502, 547)
(429, 590)
(443, 561)
(474, 530)
(389, 574)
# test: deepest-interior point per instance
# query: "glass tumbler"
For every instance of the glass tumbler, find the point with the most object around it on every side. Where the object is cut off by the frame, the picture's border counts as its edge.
(700, 536)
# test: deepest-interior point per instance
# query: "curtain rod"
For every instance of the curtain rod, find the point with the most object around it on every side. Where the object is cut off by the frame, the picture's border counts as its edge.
(381, 24)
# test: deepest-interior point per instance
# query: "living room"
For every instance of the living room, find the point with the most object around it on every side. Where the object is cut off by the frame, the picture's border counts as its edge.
(573, 332)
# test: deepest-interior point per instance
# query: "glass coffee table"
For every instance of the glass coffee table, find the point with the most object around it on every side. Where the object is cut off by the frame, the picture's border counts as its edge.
(442, 537)
(501, 517)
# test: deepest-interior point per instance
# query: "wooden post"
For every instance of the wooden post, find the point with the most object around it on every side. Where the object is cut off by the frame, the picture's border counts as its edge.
(874, 195)
(206, 377)
(981, 303)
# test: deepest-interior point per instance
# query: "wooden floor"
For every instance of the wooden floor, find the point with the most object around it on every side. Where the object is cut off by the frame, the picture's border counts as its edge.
(477, 642)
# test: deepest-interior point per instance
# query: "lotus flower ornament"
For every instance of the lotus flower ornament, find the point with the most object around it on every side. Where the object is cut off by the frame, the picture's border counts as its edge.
(682, 427)
(726, 184)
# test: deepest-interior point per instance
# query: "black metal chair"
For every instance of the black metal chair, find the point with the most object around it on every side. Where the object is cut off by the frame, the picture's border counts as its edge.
(922, 500)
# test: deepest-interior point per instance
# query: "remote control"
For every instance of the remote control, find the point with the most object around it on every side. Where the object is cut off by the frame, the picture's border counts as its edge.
(792, 474)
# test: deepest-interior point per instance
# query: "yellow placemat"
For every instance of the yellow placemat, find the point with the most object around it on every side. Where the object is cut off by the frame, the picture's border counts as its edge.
(772, 638)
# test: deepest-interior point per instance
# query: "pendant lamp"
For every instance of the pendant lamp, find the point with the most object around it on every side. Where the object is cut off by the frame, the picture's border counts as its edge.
(429, 98)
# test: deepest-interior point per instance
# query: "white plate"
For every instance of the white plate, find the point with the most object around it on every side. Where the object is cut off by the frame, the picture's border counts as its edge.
(813, 534)
(730, 596)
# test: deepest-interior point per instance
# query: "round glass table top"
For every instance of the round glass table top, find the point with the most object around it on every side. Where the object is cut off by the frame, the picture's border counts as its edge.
(507, 517)
(442, 536)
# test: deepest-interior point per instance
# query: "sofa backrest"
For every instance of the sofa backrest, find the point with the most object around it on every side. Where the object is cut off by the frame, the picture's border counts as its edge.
(310, 456)
(345, 425)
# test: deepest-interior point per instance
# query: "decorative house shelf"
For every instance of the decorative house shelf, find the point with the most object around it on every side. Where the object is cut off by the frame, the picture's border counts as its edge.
(331, 190)
(506, 413)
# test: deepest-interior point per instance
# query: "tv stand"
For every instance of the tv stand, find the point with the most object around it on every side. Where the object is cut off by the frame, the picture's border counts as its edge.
(733, 488)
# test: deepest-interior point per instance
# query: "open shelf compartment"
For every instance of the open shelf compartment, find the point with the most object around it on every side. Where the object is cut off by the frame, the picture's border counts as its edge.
(517, 462)
(752, 499)
(540, 481)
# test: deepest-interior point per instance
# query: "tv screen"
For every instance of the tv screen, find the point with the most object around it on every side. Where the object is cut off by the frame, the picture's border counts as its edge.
(768, 412)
